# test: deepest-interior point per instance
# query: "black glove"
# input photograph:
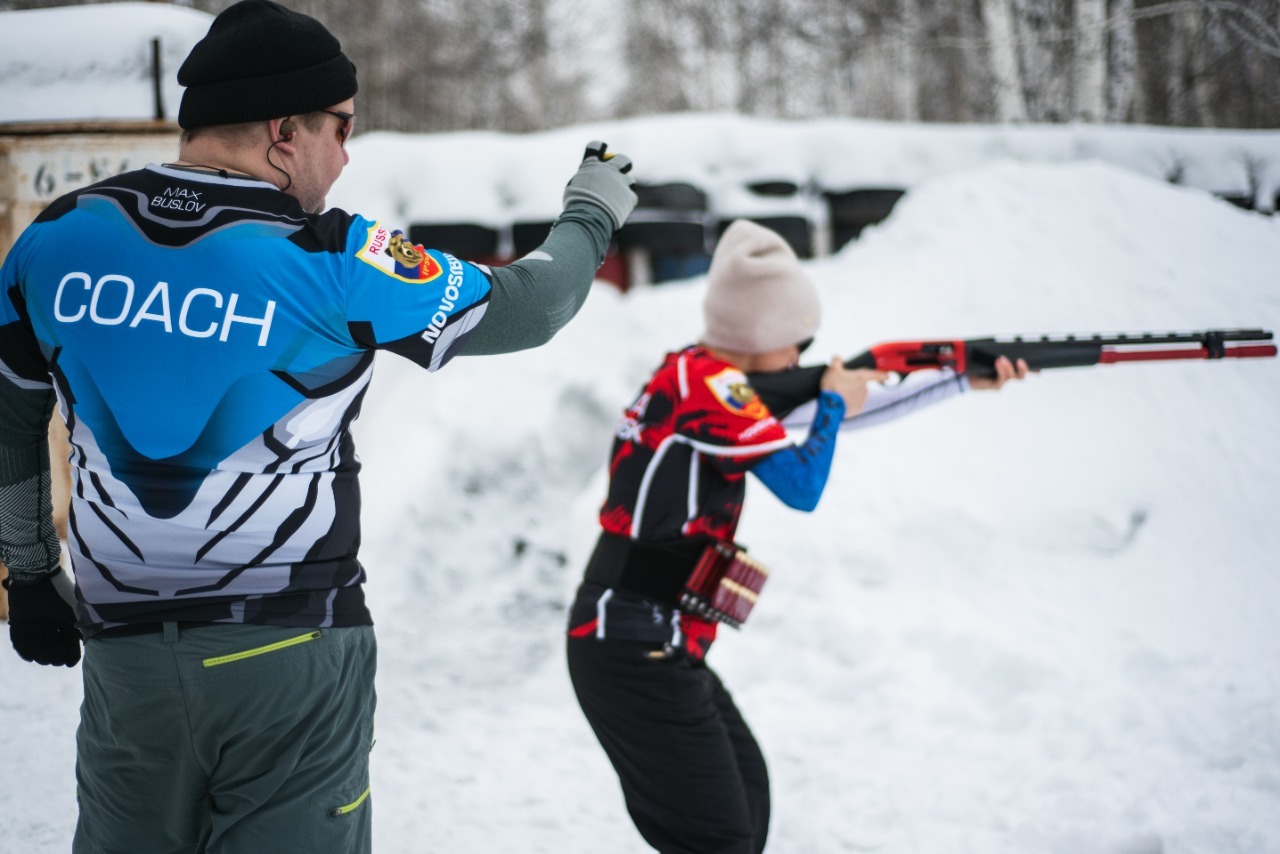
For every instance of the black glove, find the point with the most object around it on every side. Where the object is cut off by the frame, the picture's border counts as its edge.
(42, 626)
(602, 180)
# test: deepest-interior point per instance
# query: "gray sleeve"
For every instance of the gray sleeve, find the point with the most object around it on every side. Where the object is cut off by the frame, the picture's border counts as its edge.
(534, 297)
(28, 540)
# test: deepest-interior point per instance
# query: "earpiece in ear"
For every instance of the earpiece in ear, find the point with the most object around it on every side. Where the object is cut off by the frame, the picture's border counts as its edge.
(286, 131)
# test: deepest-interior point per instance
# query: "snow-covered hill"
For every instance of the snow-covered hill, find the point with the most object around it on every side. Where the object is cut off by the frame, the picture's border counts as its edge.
(1034, 621)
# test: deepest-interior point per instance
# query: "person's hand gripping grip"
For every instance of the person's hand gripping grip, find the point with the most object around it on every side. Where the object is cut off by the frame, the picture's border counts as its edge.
(603, 180)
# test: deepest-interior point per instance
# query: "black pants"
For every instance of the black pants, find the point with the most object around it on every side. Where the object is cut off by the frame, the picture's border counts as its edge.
(692, 774)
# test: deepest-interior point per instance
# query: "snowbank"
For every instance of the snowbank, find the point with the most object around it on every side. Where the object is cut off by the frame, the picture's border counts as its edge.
(1038, 620)
(1034, 621)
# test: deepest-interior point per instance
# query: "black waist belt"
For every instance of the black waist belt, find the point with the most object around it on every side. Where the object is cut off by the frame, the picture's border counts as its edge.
(654, 571)
(148, 628)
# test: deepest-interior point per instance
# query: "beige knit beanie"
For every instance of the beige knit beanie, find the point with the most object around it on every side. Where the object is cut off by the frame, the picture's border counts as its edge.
(758, 297)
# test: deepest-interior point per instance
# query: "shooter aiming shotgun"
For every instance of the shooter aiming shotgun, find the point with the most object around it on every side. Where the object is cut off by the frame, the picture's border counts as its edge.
(668, 567)
(784, 391)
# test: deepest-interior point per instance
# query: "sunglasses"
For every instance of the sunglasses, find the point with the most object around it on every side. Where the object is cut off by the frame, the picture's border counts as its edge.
(804, 345)
(347, 127)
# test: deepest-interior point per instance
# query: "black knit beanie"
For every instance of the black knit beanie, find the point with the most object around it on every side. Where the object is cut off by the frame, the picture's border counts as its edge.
(262, 61)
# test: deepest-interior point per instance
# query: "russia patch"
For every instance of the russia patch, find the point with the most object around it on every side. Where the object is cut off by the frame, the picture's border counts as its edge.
(392, 253)
(731, 388)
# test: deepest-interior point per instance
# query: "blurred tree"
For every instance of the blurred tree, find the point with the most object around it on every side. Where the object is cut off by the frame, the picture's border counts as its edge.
(1124, 97)
(1090, 61)
(1010, 102)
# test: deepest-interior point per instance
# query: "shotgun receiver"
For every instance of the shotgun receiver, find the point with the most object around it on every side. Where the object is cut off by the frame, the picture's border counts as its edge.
(783, 391)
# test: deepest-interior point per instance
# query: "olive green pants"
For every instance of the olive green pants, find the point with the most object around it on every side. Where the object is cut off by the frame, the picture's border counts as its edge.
(227, 739)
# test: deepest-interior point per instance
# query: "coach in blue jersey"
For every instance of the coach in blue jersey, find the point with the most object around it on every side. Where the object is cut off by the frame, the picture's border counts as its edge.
(208, 331)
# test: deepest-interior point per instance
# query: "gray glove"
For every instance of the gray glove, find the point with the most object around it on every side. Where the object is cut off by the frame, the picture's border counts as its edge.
(602, 180)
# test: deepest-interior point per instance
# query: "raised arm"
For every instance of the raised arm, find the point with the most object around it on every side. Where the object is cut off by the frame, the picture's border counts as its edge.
(534, 297)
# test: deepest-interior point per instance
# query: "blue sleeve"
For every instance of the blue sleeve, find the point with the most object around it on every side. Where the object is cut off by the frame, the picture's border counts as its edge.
(798, 475)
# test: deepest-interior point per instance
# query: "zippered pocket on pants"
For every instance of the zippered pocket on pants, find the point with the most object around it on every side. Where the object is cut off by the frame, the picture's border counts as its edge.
(338, 812)
(263, 650)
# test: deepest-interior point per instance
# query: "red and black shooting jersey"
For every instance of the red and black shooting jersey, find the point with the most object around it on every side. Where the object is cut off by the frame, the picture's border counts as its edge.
(683, 449)
(678, 469)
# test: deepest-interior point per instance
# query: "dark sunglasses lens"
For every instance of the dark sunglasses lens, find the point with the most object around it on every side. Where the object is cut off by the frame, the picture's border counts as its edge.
(348, 125)
(804, 345)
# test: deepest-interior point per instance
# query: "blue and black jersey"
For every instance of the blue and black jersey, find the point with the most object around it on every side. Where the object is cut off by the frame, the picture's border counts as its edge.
(210, 344)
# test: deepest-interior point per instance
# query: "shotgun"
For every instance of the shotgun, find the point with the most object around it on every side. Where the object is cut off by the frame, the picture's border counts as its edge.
(783, 391)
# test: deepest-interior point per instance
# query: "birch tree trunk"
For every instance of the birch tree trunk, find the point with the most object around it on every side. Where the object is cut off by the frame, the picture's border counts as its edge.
(907, 74)
(1089, 89)
(1124, 102)
(1010, 105)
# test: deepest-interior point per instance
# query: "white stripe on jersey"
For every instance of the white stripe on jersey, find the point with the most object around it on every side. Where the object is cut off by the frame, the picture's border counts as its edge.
(691, 500)
(602, 607)
(462, 325)
(642, 496)
(735, 450)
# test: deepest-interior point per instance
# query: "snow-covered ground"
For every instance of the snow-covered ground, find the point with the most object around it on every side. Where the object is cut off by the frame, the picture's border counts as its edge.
(1040, 621)
(1034, 622)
